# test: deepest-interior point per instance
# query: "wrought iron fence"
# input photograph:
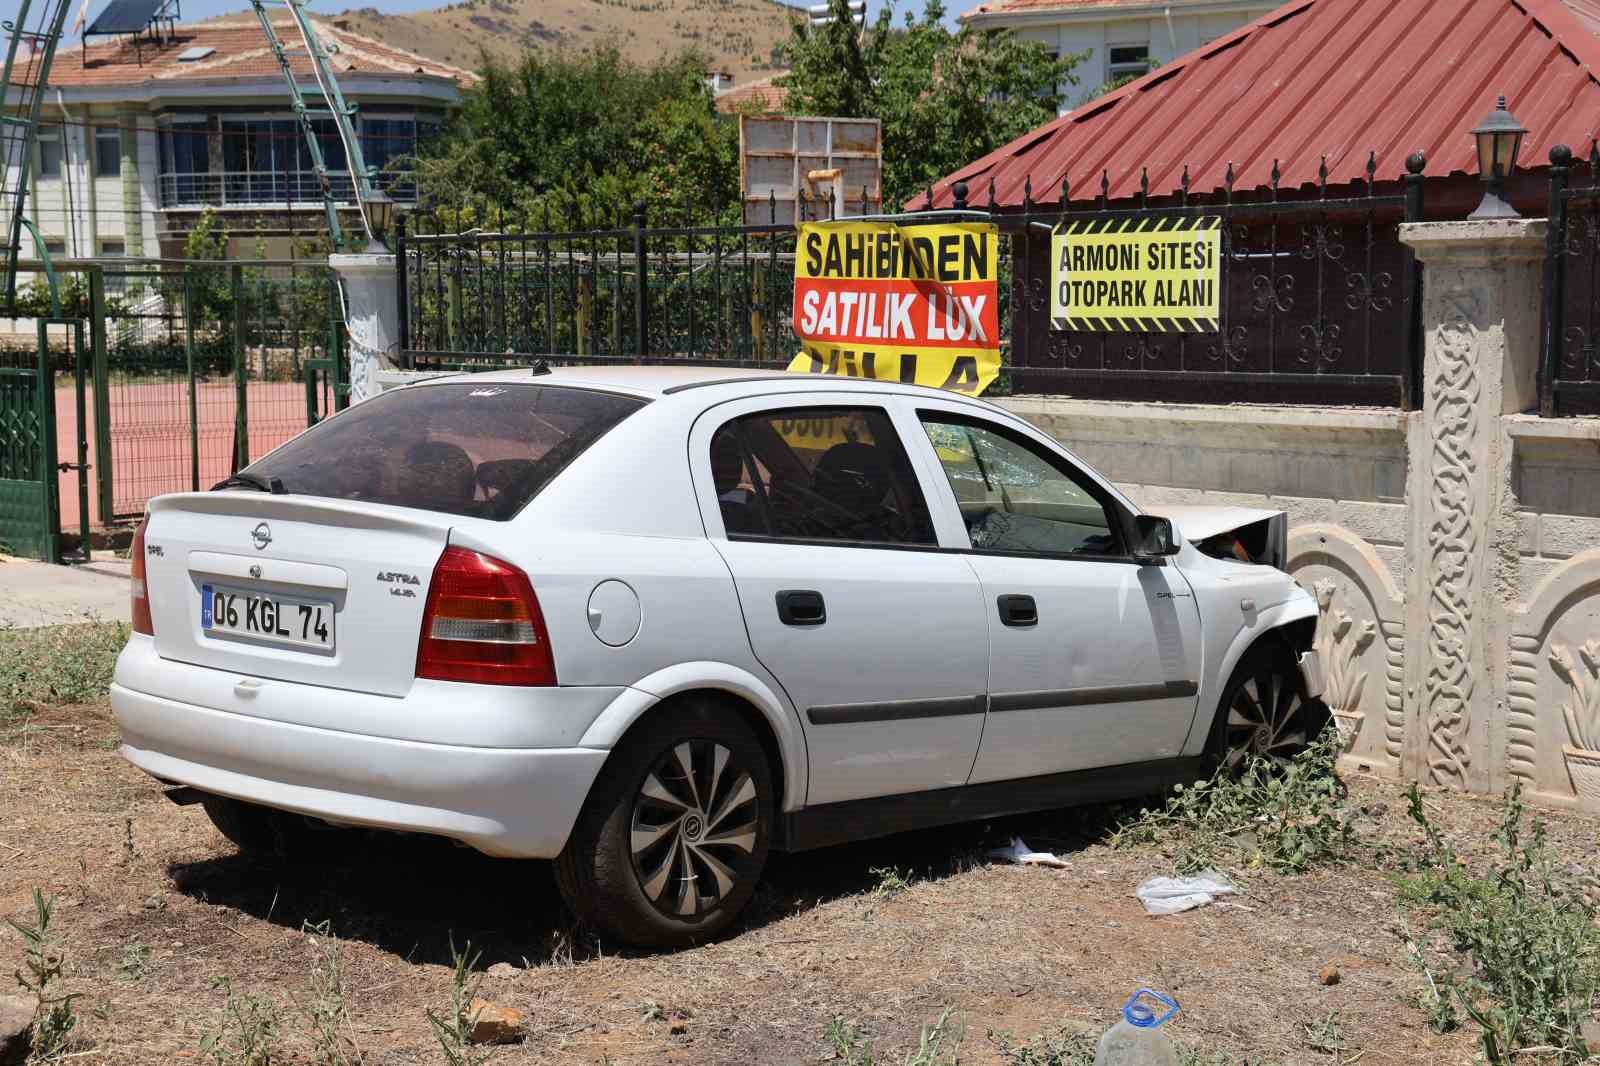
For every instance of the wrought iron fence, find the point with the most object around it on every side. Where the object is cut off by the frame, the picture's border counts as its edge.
(1569, 366)
(1319, 299)
(624, 291)
(1318, 303)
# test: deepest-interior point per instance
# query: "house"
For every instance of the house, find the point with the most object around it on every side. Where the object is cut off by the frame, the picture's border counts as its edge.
(138, 136)
(762, 96)
(1303, 130)
(1123, 39)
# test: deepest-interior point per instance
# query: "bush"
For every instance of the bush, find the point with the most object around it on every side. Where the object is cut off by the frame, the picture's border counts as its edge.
(57, 664)
(1286, 818)
(1526, 950)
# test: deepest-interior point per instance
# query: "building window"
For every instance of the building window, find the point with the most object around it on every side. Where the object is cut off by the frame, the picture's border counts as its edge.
(107, 152)
(55, 247)
(1127, 61)
(49, 154)
(185, 163)
(114, 248)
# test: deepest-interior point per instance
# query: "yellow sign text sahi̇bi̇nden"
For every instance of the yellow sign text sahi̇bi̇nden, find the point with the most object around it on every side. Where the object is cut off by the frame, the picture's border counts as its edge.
(916, 303)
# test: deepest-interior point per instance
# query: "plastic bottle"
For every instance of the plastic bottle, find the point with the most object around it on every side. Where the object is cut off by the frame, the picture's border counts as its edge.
(1137, 1039)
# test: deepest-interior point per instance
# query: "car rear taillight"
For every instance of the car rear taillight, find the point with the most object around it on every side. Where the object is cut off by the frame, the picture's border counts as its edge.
(138, 591)
(482, 624)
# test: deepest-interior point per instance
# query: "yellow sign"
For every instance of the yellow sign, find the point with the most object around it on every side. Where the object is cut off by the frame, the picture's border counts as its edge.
(899, 303)
(1143, 275)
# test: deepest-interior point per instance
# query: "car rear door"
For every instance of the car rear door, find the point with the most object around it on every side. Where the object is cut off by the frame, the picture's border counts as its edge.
(877, 636)
(1095, 658)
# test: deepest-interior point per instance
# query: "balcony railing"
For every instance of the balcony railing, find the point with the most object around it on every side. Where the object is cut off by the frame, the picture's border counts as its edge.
(265, 188)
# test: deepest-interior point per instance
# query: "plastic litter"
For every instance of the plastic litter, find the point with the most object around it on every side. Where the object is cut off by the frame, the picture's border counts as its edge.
(1137, 1039)
(1169, 895)
(1020, 853)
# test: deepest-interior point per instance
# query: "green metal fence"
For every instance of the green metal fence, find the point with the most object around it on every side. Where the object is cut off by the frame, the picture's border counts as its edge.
(188, 370)
(207, 366)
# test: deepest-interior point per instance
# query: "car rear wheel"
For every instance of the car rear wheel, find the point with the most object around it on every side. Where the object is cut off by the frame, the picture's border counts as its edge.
(674, 834)
(1264, 713)
(264, 833)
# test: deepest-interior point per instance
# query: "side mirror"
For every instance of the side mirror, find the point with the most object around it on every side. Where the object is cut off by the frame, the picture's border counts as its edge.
(1155, 540)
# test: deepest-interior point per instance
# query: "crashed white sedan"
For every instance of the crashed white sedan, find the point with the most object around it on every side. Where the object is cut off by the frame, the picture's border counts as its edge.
(652, 623)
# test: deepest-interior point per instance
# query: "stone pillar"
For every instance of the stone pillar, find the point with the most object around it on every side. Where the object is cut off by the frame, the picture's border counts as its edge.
(1480, 320)
(372, 313)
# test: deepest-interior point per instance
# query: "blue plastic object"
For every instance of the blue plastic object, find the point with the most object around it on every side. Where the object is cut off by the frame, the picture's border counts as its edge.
(1143, 1015)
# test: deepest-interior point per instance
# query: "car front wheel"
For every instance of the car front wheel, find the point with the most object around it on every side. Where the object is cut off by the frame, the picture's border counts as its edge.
(1264, 712)
(674, 834)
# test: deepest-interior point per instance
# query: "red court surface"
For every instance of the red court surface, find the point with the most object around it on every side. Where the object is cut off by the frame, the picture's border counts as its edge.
(150, 442)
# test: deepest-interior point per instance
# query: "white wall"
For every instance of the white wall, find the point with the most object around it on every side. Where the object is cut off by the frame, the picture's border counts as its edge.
(1167, 36)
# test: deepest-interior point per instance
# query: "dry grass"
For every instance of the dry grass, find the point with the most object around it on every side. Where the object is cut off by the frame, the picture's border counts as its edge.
(155, 907)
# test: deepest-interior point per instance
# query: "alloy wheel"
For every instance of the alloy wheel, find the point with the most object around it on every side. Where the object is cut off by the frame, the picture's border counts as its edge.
(1265, 720)
(695, 821)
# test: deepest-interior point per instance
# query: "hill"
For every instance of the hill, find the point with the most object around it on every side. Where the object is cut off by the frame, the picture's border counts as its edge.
(737, 36)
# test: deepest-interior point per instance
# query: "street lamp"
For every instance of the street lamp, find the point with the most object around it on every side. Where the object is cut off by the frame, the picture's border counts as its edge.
(1499, 138)
(379, 210)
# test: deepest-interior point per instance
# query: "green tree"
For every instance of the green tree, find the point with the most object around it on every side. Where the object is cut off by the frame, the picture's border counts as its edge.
(944, 98)
(584, 135)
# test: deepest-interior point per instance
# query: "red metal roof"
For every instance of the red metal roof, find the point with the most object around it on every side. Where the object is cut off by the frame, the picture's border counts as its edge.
(1315, 78)
(240, 51)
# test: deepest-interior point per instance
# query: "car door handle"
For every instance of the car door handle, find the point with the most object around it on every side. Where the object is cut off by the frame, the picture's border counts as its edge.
(1017, 610)
(801, 607)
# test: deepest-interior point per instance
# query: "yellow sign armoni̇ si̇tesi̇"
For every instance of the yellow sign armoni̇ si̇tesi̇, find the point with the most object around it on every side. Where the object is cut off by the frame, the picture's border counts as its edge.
(1138, 274)
(913, 303)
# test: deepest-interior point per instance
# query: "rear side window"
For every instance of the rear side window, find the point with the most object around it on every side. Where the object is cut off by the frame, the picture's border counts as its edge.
(482, 450)
(818, 473)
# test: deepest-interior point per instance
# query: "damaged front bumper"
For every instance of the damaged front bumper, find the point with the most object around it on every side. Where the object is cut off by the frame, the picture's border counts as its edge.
(1311, 673)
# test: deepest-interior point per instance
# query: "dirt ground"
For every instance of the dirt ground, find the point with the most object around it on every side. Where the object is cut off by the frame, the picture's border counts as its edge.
(155, 904)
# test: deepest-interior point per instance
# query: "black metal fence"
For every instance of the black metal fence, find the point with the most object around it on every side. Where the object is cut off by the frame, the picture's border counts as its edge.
(1569, 367)
(628, 291)
(1319, 303)
(1319, 299)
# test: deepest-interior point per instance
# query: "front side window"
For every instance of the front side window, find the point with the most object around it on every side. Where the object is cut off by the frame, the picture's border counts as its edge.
(836, 474)
(1014, 498)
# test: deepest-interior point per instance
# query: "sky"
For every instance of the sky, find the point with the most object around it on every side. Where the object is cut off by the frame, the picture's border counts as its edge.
(199, 9)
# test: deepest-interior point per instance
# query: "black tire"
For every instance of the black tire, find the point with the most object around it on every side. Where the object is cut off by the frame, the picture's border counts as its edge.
(267, 834)
(697, 859)
(1264, 711)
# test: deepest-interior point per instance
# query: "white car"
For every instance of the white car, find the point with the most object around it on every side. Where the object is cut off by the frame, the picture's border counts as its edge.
(653, 622)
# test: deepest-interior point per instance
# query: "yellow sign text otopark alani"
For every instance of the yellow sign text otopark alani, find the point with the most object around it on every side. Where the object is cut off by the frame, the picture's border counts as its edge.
(912, 303)
(1145, 275)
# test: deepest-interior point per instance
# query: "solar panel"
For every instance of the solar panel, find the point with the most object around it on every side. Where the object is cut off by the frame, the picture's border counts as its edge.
(125, 16)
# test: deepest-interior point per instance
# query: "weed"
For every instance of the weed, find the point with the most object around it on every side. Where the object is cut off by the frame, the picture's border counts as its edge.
(1285, 818)
(1528, 948)
(891, 882)
(136, 963)
(453, 1030)
(1065, 1048)
(651, 1011)
(248, 1035)
(1325, 1035)
(41, 975)
(130, 851)
(326, 1010)
(1438, 1000)
(938, 1044)
(56, 664)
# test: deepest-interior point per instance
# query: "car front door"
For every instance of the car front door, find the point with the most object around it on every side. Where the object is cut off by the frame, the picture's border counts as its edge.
(1094, 657)
(878, 637)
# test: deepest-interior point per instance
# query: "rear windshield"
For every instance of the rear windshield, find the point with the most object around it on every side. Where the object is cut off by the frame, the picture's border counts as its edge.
(482, 449)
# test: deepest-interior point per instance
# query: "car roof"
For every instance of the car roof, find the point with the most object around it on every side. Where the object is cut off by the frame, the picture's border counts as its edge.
(659, 380)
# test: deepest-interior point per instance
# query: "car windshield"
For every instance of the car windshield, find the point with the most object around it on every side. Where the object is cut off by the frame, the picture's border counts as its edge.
(481, 449)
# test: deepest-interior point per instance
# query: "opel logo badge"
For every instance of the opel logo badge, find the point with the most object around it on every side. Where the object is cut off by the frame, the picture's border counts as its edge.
(262, 535)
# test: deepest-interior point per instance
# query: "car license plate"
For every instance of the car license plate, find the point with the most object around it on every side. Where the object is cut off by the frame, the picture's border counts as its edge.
(266, 617)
